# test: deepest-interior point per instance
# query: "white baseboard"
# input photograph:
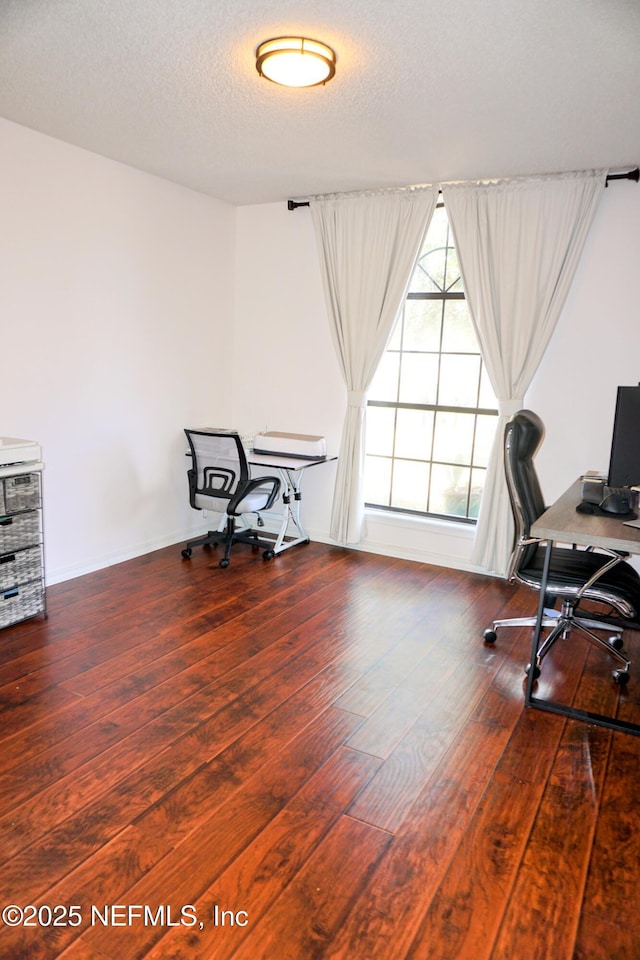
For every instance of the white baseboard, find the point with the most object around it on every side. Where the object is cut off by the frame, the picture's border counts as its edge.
(90, 565)
(434, 551)
(399, 552)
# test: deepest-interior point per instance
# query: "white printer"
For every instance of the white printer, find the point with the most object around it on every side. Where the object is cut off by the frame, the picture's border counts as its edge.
(300, 445)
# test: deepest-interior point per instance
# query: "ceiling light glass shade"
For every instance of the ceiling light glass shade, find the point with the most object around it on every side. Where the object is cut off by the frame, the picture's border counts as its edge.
(295, 61)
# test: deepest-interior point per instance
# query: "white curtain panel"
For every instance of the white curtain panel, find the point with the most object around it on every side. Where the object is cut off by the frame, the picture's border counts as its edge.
(519, 243)
(368, 245)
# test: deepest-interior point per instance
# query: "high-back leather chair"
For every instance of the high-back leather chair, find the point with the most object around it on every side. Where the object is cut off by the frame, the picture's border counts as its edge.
(219, 481)
(574, 575)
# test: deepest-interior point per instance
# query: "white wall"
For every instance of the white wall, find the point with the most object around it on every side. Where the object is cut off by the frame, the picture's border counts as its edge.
(284, 345)
(117, 291)
(116, 294)
(595, 347)
(286, 376)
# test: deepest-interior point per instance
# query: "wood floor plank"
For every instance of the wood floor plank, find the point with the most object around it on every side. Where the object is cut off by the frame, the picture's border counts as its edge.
(88, 649)
(549, 886)
(81, 951)
(269, 864)
(179, 741)
(598, 939)
(423, 744)
(99, 881)
(206, 851)
(181, 690)
(305, 919)
(232, 644)
(299, 602)
(180, 811)
(401, 778)
(385, 919)
(465, 913)
(376, 684)
(397, 714)
(325, 741)
(614, 873)
(116, 867)
(204, 854)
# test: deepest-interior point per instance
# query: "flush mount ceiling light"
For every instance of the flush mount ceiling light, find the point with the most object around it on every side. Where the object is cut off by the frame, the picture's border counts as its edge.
(295, 61)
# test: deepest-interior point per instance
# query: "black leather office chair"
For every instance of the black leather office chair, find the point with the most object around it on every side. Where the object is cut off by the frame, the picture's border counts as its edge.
(574, 575)
(219, 480)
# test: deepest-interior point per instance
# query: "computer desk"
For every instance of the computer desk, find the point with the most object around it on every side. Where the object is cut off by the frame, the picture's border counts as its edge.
(562, 524)
(290, 471)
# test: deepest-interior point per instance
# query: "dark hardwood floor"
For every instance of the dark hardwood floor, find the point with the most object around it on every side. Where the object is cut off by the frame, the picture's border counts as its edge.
(315, 757)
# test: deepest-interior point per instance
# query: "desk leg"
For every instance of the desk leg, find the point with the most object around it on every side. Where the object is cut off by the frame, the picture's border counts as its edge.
(291, 498)
(537, 630)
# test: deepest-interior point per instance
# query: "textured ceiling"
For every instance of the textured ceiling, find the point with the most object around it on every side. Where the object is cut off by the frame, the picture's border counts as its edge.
(425, 90)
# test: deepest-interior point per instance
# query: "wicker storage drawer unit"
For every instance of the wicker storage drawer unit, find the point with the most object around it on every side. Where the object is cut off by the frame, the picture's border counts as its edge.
(22, 590)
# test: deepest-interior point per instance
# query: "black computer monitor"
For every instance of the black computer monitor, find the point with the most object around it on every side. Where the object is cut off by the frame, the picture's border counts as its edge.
(624, 465)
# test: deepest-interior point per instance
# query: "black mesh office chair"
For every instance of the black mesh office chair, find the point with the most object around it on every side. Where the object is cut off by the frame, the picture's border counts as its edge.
(219, 480)
(574, 575)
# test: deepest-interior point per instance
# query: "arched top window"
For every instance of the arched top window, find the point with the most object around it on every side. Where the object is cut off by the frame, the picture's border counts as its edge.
(431, 413)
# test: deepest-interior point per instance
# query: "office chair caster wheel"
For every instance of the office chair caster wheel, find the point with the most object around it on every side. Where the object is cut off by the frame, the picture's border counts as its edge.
(616, 641)
(621, 677)
(186, 553)
(490, 636)
(268, 555)
(224, 563)
(536, 671)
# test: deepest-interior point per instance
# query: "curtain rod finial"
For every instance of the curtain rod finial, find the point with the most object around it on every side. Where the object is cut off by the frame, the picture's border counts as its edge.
(629, 175)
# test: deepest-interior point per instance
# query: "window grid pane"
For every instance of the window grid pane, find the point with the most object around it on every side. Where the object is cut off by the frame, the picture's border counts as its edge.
(431, 409)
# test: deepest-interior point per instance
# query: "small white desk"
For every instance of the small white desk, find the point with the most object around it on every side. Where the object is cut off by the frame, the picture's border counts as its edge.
(562, 524)
(290, 471)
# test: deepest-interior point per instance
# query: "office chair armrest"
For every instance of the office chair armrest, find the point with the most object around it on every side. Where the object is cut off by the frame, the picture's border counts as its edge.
(615, 559)
(191, 477)
(621, 553)
(516, 554)
(255, 483)
(528, 541)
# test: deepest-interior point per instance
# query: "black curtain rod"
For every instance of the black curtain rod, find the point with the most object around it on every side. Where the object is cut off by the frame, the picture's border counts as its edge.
(629, 175)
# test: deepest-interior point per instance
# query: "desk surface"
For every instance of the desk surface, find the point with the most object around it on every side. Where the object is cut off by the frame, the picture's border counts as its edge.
(274, 461)
(562, 523)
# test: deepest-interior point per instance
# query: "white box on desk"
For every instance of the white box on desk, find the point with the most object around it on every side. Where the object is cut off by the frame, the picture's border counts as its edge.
(300, 445)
